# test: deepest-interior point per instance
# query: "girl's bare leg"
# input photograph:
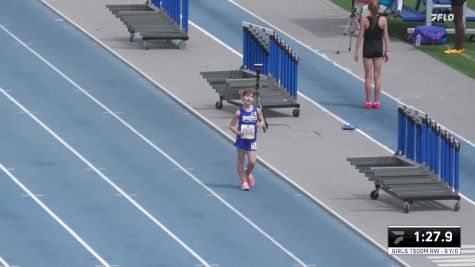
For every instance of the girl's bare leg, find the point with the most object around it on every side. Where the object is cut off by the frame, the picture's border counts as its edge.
(240, 165)
(251, 162)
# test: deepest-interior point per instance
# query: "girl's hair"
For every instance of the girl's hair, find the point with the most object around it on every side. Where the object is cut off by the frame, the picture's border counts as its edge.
(373, 8)
(248, 91)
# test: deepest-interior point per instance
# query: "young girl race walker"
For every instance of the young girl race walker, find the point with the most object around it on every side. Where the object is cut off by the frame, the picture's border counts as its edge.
(248, 119)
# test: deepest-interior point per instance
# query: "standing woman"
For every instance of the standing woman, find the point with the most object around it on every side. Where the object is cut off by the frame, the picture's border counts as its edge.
(372, 30)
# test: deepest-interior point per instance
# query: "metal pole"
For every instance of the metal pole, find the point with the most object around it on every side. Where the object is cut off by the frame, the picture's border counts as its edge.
(258, 68)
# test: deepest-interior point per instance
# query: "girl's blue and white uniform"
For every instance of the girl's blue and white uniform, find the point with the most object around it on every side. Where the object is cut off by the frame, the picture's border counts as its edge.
(248, 128)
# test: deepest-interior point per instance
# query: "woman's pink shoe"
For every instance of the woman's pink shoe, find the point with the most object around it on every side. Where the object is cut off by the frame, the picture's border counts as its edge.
(376, 105)
(368, 105)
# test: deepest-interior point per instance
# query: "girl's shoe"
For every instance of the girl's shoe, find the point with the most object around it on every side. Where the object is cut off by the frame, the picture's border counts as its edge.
(244, 186)
(368, 105)
(250, 179)
(376, 105)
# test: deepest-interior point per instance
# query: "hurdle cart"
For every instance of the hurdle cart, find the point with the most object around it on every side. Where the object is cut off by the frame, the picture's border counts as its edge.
(155, 20)
(266, 55)
(426, 166)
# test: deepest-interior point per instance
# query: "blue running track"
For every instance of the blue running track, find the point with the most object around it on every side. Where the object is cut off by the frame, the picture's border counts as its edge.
(127, 177)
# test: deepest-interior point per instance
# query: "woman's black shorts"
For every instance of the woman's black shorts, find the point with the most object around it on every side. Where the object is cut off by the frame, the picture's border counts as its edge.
(373, 49)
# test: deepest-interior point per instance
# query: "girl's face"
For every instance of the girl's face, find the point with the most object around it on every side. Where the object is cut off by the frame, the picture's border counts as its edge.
(248, 99)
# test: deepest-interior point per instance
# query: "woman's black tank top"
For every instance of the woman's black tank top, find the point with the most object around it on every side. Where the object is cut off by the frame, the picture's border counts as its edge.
(373, 40)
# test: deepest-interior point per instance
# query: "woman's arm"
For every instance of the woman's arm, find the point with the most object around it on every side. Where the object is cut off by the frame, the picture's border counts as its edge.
(360, 37)
(386, 40)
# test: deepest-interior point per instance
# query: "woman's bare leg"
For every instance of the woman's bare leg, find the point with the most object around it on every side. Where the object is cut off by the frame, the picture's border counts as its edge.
(378, 65)
(368, 77)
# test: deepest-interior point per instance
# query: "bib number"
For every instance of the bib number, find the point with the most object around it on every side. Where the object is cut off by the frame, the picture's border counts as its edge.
(248, 131)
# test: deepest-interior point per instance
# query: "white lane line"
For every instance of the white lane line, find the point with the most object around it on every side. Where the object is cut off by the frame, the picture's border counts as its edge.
(216, 39)
(55, 217)
(37, 195)
(451, 257)
(249, 221)
(466, 258)
(106, 179)
(4, 263)
(335, 63)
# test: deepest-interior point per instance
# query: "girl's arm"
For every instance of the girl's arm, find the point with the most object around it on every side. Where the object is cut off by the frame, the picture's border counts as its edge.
(234, 120)
(260, 118)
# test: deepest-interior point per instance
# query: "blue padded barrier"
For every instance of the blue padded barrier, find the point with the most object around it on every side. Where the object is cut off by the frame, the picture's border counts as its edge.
(456, 164)
(422, 140)
(261, 45)
(176, 9)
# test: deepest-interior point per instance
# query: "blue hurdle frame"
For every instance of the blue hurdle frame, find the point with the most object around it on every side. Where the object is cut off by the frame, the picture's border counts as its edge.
(264, 46)
(176, 9)
(421, 139)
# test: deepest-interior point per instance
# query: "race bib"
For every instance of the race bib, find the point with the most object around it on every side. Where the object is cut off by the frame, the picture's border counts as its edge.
(248, 131)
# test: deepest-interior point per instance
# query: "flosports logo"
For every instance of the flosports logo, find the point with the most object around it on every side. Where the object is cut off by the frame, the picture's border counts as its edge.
(400, 236)
(442, 17)
(250, 118)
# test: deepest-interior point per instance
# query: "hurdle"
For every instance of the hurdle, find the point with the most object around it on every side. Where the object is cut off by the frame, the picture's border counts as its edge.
(425, 166)
(155, 20)
(278, 79)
